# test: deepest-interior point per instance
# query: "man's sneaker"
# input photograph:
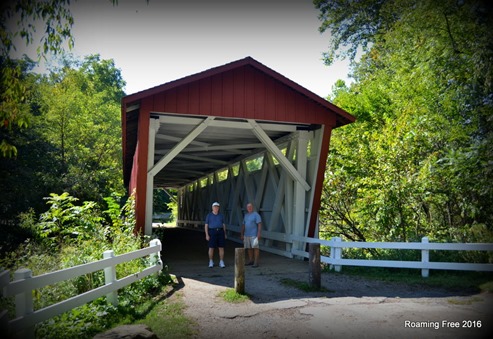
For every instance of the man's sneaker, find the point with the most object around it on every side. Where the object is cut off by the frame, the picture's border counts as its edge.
(211, 263)
(221, 264)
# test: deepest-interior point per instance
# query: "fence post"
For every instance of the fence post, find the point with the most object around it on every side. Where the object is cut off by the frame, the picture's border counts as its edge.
(110, 277)
(332, 255)
(315, 268)
(4, 317)
(155, 256)
(337, 253)
(425, 258)
(240, 270)
(24, 302)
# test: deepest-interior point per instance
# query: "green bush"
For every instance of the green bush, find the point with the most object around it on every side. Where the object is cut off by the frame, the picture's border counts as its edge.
(68, 235)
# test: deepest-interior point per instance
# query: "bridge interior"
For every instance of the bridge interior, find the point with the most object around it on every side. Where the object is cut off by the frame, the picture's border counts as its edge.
(185, 255)
(235, 134)
(236, 161)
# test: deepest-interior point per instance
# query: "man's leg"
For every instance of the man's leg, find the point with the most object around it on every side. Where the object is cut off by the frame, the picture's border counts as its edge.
(256, 252)
(250, 255)
(221, 257)
(211, 256)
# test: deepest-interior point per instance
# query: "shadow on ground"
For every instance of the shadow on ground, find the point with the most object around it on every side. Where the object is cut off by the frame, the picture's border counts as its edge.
(185, 255)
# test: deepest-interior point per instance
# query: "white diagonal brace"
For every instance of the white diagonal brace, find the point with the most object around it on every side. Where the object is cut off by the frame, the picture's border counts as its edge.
(180, 146)
(276, 152)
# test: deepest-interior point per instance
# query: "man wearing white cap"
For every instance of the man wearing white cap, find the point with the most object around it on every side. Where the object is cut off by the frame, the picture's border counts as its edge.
(215, 234)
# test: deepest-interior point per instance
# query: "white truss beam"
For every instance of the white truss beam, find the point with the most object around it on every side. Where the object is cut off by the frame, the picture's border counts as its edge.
(180, 146)
(271, 146)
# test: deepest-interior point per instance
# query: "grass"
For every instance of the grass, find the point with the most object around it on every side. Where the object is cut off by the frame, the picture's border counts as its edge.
(467, 301)
(452, 280)
(167, 319)
(230, 295)
(303, 286)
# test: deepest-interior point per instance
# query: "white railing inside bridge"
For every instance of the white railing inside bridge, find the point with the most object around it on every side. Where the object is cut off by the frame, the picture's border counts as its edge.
(24, 283)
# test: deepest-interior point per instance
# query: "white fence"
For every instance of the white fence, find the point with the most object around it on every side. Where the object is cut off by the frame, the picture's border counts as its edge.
(295, 246)
(24, 283)
(336, 261)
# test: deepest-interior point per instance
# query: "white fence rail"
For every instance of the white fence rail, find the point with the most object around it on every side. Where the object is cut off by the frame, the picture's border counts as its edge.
(336, 261)
(295, 246)
(24, 283)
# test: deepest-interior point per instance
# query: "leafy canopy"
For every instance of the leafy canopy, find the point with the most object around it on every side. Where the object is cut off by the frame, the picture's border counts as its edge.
(418, 161)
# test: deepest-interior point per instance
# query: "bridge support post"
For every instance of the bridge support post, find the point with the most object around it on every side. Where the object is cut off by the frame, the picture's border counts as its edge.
(240, 270)
(314, 275)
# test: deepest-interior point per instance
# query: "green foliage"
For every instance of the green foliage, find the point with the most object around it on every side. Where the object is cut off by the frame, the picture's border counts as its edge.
(167, 320)
(161, 201)
(303, 286)
(74, 143)
(68, 235)
(65, 221)
(417, 162)
(254, 164)
(473, 282)
(230, 295)
(20, 19)
(349, 32)
(80, 117)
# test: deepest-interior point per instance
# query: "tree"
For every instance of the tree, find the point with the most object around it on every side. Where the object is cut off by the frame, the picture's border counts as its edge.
(418, 161)
(21, 19)
(18, 19)
(80, 105)
(74, 142)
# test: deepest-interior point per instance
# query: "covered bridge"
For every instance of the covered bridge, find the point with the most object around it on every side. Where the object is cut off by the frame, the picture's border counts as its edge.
(237, 133)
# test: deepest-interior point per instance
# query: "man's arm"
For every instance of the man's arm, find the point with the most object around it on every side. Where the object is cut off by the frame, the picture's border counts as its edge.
(242, 233)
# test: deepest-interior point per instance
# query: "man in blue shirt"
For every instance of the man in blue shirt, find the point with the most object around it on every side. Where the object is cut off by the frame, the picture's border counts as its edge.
(215, 234)
(250, 234)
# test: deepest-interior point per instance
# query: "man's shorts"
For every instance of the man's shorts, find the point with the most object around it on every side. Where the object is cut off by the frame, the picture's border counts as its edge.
(250, 242)
(216, 237)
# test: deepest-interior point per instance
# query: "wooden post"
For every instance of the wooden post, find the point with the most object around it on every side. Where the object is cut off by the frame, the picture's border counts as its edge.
(240, 270)
(315, 268)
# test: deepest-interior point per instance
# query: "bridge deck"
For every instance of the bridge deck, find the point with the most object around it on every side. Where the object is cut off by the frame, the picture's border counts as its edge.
(185, 254)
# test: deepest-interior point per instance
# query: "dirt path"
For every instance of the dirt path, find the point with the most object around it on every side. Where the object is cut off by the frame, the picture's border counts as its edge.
(277, 311)
(351, 307)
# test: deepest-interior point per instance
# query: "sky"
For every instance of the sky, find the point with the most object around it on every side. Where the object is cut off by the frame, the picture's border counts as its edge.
(164, 40)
